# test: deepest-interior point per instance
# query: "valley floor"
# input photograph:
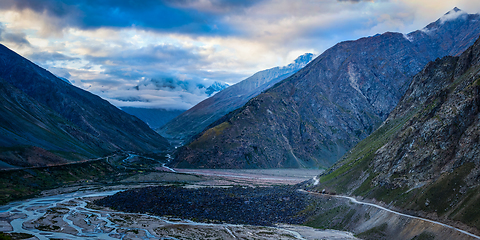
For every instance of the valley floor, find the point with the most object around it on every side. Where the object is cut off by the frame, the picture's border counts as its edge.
(68, 213)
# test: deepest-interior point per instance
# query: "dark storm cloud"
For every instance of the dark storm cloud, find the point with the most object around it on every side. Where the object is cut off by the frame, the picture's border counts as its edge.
(187, 16)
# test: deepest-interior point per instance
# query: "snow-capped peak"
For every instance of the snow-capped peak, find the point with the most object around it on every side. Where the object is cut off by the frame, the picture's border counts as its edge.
(300, 62)
(216, 87)
(452, 15)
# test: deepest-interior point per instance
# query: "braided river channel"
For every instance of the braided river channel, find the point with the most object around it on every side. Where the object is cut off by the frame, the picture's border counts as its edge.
(74, 216)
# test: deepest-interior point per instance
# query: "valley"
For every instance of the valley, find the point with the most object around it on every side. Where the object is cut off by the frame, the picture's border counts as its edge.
(375, 138)
(69, 212)
(72, 211)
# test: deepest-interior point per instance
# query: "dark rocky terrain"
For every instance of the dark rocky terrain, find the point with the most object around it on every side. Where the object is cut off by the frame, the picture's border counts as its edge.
(154, 117)
(237, 205)
(315, 116)
(425, 157)
(45, 120)
(27, 125)
(194, 120)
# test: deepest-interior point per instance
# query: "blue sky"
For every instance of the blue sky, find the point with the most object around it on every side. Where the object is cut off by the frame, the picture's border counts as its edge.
(109, 47)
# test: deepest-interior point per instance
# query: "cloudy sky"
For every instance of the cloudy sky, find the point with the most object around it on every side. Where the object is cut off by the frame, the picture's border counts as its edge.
(162, 53)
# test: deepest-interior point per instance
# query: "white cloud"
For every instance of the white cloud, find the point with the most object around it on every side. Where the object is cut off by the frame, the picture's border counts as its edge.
(452, 15)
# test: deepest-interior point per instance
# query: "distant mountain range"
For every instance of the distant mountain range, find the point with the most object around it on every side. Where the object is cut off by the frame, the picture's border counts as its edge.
(154, 117)
(170, 83)
(426, 155)
(194, 120)
(155, 114)
(45, 120)
(315, 116)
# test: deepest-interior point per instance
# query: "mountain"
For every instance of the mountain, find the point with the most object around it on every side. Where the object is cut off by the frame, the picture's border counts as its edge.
(315, 116)
(426, 155)
(26, 124)
(215, 87)
(179, 85)
(46, 120)
(154, 117)
(194, 120)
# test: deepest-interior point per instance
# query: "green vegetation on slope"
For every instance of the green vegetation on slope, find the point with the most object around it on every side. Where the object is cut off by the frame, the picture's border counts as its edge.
(28, 182)
(358, 159)
(425, 157)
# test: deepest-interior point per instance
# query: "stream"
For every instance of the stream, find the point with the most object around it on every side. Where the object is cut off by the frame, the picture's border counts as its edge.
(70, 216)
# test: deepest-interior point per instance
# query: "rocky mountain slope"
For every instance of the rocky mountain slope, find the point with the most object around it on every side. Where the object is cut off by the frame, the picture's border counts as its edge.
(315, 116)
(426, 155)
(194, 120)
(46, 120)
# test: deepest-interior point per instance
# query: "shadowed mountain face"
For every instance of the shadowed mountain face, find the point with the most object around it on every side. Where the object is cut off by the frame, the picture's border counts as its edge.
(43, 117)
(154, 117)
(194, 120)
(315, 116)
(426, 155)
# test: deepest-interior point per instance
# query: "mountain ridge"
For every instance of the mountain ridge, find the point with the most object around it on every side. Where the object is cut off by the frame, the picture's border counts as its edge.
(425, 156)
(315, 116)
(194, 120)
(69, 113)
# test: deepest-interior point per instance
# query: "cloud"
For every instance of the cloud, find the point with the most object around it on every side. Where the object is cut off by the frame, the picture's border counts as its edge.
(153, 55)
(355, 1)
(169, 93)
(108, 47)
(453, 14)
(61, 72)
(44, 56)
(185, 16)
(17, 38)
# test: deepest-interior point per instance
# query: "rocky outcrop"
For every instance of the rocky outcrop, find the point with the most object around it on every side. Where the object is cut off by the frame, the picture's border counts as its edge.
(426, 156)
(194, 120)
(43, 117)
(315, 116)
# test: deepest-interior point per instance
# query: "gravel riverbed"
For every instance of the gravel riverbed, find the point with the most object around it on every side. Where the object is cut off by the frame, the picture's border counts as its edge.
(264, 206)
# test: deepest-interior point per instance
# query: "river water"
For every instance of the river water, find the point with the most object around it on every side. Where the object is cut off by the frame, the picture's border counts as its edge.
(71, 216)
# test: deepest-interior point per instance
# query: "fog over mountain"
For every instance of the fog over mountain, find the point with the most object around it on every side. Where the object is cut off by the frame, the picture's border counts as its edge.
(165, 93)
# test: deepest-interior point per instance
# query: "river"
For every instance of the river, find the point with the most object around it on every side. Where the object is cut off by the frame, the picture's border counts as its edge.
(71, 216)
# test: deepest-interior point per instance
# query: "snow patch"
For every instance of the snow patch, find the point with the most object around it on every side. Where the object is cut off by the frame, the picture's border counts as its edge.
(427, 30)
(452, 15)
(300, 62)
(409, 38)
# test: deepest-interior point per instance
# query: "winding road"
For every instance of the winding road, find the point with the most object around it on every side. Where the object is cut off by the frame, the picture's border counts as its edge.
(353, 200)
